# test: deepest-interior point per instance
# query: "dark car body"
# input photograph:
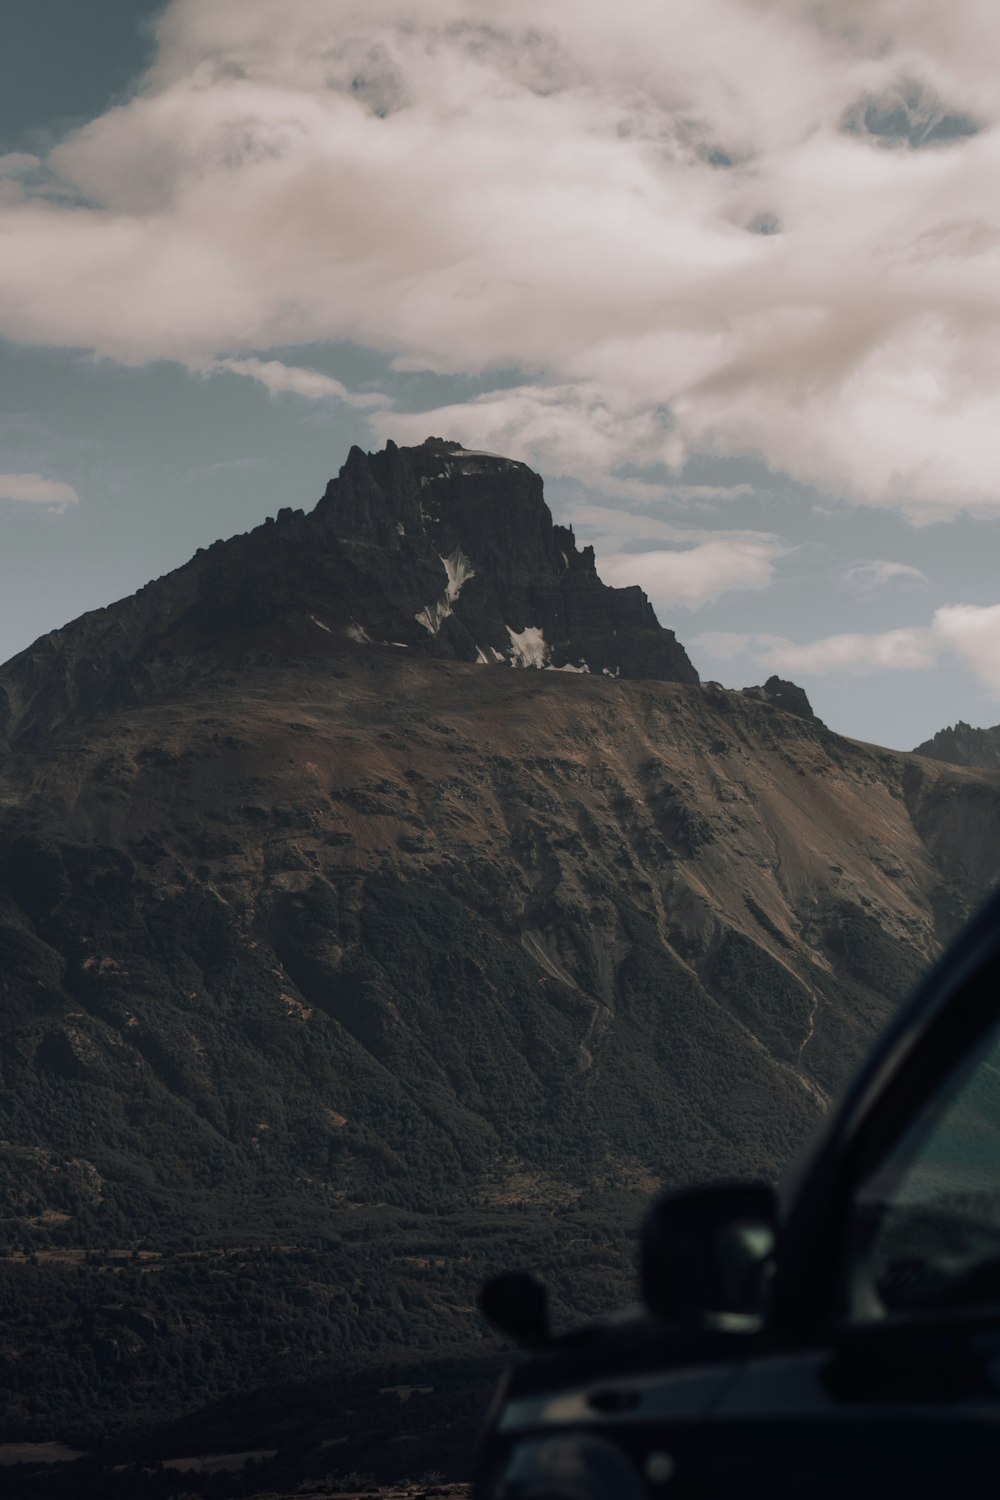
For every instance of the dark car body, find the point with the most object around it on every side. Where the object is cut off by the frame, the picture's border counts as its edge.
(840, 1336)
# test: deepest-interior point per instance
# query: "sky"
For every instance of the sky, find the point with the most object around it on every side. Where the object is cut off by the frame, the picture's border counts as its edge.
(725, 272)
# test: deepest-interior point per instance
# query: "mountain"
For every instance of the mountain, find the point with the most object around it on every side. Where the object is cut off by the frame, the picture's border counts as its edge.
(786, 695)
(386, 557)
(344, 959)
(961, 745)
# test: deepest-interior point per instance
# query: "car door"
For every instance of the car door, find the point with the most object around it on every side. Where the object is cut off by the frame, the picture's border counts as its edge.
(892, 1388)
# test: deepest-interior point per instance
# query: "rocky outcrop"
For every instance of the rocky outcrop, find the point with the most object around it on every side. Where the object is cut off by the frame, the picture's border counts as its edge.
(786, 695)
(462, 544)
(962, 745)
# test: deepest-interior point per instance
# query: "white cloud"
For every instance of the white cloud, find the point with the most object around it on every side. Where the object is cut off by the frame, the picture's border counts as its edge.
(34, 489)
(973, 634)
(910, 649)
(721, 492)
(247, 464)
(967, 631)
(649, 491)
(621, 525)
(539, 185)
(696, 575)
(280, 379)
(703, 564)
(868, 575)
(570, 429)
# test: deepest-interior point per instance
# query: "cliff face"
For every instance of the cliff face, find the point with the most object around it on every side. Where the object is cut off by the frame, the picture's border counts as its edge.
(306, 912)
(463, 544)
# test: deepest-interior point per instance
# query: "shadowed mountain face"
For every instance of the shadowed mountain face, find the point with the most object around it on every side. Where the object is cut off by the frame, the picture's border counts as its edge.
(962, 745)
(436, 550)
(312, 908)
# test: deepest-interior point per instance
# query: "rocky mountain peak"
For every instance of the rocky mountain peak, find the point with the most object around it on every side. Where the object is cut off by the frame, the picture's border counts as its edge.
(963, 744)
(435, 550)
(786, 695)
(460, 544)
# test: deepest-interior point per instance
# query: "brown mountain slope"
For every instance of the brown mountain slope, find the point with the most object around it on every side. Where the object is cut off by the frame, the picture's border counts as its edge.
(488, 895)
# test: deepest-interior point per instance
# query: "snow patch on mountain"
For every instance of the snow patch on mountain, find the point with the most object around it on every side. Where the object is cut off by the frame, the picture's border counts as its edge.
(529, 646)
(459, 571)
(433, 616)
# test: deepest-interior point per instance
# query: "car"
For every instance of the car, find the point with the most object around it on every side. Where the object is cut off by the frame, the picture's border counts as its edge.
(836, 1336)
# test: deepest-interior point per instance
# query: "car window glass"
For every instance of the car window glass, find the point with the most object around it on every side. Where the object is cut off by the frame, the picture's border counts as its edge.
(927, 1222)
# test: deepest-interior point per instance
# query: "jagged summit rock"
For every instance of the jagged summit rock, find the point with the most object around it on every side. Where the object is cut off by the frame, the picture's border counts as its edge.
(786, 695)
(470, 565)
(433, 550)
(963, 745)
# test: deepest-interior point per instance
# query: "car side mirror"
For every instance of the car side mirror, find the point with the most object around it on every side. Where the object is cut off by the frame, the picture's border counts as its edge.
(709, 1254)
(517, 1305)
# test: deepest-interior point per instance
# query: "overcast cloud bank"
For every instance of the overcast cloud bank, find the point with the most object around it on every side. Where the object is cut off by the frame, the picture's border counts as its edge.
(748, 226)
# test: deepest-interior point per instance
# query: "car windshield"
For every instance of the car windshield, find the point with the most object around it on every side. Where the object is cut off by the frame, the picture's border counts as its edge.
(930, 1216)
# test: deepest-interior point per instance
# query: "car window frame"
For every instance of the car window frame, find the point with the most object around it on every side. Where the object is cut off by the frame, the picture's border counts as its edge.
(947, 1017)
(865, 1308)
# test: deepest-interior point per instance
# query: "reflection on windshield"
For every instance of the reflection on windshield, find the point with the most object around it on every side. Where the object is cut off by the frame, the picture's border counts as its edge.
(931, 1215)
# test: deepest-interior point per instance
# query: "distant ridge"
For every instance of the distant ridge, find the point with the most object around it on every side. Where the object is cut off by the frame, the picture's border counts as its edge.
(962, 745)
